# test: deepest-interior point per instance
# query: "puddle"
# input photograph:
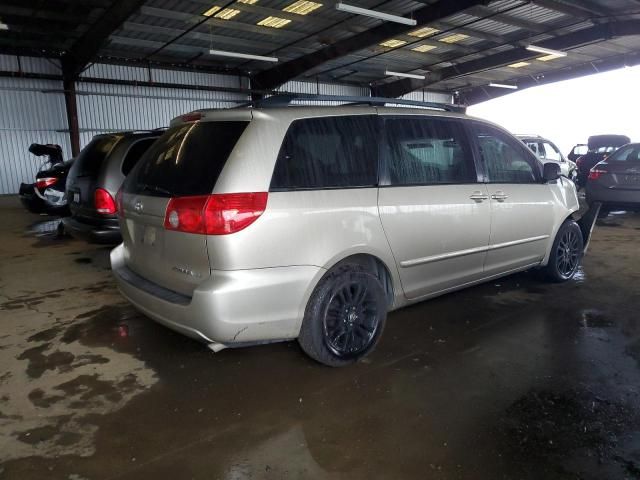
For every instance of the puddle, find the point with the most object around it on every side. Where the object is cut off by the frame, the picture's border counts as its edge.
(46, 227)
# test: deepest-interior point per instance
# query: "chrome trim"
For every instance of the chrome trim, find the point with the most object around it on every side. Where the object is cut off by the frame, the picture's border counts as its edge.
(471, 251)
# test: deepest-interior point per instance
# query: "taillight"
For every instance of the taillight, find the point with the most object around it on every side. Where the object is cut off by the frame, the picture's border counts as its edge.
(42, 183)
(119, 208)
(103, 201)
(595, 174)
(218, 214)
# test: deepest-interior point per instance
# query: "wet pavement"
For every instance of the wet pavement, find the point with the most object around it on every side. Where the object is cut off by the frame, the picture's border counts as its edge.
(512, 379)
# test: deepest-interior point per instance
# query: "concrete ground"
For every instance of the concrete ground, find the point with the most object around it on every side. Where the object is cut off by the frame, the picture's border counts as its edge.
(512, 379)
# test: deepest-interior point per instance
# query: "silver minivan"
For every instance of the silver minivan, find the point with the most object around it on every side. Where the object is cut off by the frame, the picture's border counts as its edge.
(253, 225)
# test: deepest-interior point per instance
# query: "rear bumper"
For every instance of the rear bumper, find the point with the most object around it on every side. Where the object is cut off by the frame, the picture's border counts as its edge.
(612, 197)
(231, 307)
(106, 234)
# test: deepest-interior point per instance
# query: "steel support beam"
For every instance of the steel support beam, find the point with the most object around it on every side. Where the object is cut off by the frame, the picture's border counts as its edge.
(278, 75)
(86, 48)
(69, 87)
(597, 33)
(482, 94)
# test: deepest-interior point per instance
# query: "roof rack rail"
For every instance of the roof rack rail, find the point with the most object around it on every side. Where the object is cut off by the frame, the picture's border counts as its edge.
(284, 100)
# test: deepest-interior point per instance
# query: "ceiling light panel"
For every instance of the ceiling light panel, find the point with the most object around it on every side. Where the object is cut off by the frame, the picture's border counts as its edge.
(248, 2)
(274, 22)
(302, 7)
(227, 14)
(456, 37)
(519, 64)
(211, 11)
(393, 43)
(424, 32)
(553, 56)
(424, 48)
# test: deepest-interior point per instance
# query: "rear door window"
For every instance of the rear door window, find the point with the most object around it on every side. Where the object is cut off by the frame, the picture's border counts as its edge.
(626, 154)
(135, 153)
(331, 152)
(505, 159)
(186, 160)
(427, 150)
(93, 155)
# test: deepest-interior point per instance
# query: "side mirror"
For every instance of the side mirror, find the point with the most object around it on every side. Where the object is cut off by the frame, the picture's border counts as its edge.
(550, 171)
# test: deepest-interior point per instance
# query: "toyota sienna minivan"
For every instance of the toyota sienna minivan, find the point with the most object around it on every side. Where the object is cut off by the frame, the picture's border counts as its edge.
(253, 225)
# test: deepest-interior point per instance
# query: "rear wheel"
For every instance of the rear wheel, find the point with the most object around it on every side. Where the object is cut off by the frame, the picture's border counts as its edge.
(566, 253)
(345, 316)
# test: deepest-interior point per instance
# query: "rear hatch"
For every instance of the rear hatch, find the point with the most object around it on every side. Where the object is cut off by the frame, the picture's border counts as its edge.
(622, 170)
(83, 176)
(185, 161)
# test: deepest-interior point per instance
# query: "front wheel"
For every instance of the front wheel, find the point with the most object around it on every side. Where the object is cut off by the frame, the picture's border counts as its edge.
(566, 253)
(345, 316)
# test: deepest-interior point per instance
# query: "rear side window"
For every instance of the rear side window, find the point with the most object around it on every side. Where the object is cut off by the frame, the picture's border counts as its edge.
(135, 153)
(331, 152)
(505, 159)
(626, 154)
(185, 160)
(427, 150)
(93, 155)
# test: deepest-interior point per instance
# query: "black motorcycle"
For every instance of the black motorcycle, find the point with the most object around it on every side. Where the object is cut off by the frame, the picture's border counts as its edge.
(47, 193)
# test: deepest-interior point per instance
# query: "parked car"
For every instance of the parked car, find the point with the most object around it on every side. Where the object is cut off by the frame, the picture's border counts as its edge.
(94, 180)
(616, 181)
(547, 151)
(47, 193)
(599, 147)
(248, 226)
(577, 151)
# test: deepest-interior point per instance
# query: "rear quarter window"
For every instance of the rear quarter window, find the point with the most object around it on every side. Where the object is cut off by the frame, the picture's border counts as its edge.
(93, 155)
(330, 152)
(186, 160)
(134, 154)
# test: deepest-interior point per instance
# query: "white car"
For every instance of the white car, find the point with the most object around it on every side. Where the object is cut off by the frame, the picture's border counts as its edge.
(547, 151)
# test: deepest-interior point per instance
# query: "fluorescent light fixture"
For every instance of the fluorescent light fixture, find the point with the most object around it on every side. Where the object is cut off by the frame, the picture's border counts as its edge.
(302, 7)
(424, 32)
(406, 75)
(547, 51)
(343, 7)
(248, 2)
(502, 85)
(3, 26)
(424, 48)
(392, 43)
(519, 65)
(246, 56)
(274, 22)
(456, 37)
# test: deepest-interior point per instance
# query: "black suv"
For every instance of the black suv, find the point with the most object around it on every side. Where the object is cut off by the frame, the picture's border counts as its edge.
(94, 180)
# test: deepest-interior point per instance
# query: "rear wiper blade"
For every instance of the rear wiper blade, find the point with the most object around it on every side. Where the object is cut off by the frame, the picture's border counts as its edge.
(154, 188)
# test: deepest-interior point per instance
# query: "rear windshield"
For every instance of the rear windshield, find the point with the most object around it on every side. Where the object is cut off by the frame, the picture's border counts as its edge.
(185, 160)
(92, 156)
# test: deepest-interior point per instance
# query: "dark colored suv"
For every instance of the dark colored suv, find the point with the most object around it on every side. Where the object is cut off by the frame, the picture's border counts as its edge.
(94, 180)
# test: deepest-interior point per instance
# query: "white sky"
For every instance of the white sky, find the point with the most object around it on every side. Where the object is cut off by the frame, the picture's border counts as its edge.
(568, 112)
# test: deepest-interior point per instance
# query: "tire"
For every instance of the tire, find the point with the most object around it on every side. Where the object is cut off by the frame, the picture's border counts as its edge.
(566, 253)
(345, 316)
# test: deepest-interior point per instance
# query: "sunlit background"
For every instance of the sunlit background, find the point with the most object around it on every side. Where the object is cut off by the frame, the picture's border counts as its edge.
(569, 112)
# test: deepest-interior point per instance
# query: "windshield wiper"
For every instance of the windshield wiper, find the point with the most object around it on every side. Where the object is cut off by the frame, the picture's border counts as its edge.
(154, 188)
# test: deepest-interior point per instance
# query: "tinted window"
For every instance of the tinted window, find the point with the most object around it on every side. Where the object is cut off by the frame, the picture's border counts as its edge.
(423, 151)
(505, 159)
(185, 160)
(332, 152)
(92, 156)
(626, 154)
(134, 154)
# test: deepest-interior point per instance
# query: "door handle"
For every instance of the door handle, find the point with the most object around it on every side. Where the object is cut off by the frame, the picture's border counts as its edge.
(499, 196)
(478, 197)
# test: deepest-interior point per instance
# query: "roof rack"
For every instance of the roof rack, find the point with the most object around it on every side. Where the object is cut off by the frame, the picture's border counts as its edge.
(284, 100)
